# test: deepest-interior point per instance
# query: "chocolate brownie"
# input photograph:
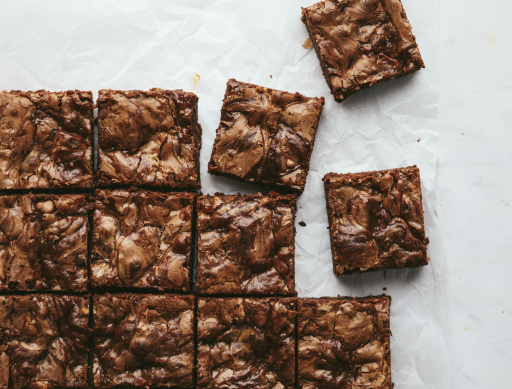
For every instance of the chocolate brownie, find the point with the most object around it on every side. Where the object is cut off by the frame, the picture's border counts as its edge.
(246, 343)
(361, 42)
(265, 136)
(246, 244)
(45, 139)
(142, 239)
(344, 343)
(43, 242)
(143, 341)
(44, 341)
(376, 220)
(148, 138)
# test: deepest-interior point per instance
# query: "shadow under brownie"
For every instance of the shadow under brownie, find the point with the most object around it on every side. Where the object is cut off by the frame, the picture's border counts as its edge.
(360, 43)
(44, 341)
(148, 138)
(344, 342)
(142, 239)
(43, 242)
(376, 220)
(265, 136)
(246, 244)
(46, 139)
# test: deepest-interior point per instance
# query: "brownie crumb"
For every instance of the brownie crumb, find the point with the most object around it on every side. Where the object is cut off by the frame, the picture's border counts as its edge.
(301, 223)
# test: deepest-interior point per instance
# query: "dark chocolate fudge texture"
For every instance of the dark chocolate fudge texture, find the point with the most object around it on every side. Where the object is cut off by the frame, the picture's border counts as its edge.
(148, 138)
(344, 342)
(43, 242)
(376, 220)
(265, 136)
(361, 42)
(46, 139)
(142, 239)
(246, 244)
(44, 341)
(143, 341)
(246, 343)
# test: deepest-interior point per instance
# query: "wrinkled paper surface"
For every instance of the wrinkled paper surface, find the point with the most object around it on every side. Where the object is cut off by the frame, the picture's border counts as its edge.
(197, 46)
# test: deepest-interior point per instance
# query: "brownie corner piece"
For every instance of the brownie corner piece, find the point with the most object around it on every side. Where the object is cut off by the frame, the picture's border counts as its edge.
(143, 341)
(361, 43)
(246, 244)
(349, 337)
(246, 342)
(265, 136)
(376, 220)
(142, 239)
(46, 139)
(45, 341)
(43, 243)
(149, 138)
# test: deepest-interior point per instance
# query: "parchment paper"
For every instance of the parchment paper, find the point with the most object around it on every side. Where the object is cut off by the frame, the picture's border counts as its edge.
(198, 46)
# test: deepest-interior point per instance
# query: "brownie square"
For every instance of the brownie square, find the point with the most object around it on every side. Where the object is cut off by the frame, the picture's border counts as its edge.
(360, 43)
(246, 244)
(376, 220)
(344, 343)
(46, 139)
(142, 239)
(43, 242)
(143, 341)
(246, 342)
(44, 341)
(148, 138)
(265, 136)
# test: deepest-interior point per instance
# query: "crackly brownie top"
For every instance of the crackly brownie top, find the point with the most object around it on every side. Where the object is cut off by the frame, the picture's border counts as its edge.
(43, 242)
(246, 343)
(265, 135)
(344, 343)
(44, 341)
(142, 239)
(246, 244)
(45, 139)
(376, 220)
(361, 42)
(148, 138)
(143, 341)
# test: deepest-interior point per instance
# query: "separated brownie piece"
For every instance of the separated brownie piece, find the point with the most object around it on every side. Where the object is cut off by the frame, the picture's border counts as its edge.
(44, 341)
(265, 136)
(142, 239)
(376, 220)
(246, 244)
(43, 242)
(344, 343)
(148, 138)
(143, 341)
(361, 42)
(246, 343)
(45, 139)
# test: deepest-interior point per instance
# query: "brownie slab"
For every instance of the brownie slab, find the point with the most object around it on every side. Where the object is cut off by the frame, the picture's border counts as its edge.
(45, 139)
(148, 138)
(246, 342)
(43, 242)
(360, 43)
(142, 239)
(344, 342)
(376, 220)
(265, 136)
(143, 341)
(44, 341)
(246, 244)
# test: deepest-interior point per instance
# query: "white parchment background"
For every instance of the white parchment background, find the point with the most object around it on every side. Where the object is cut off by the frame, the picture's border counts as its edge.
(197, 46)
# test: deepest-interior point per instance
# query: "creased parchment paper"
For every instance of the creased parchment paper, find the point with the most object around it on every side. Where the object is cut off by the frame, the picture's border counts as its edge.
(198, 46)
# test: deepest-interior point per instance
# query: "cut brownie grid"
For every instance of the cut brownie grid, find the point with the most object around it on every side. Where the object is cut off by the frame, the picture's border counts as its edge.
(148, 138)
(376, 220)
